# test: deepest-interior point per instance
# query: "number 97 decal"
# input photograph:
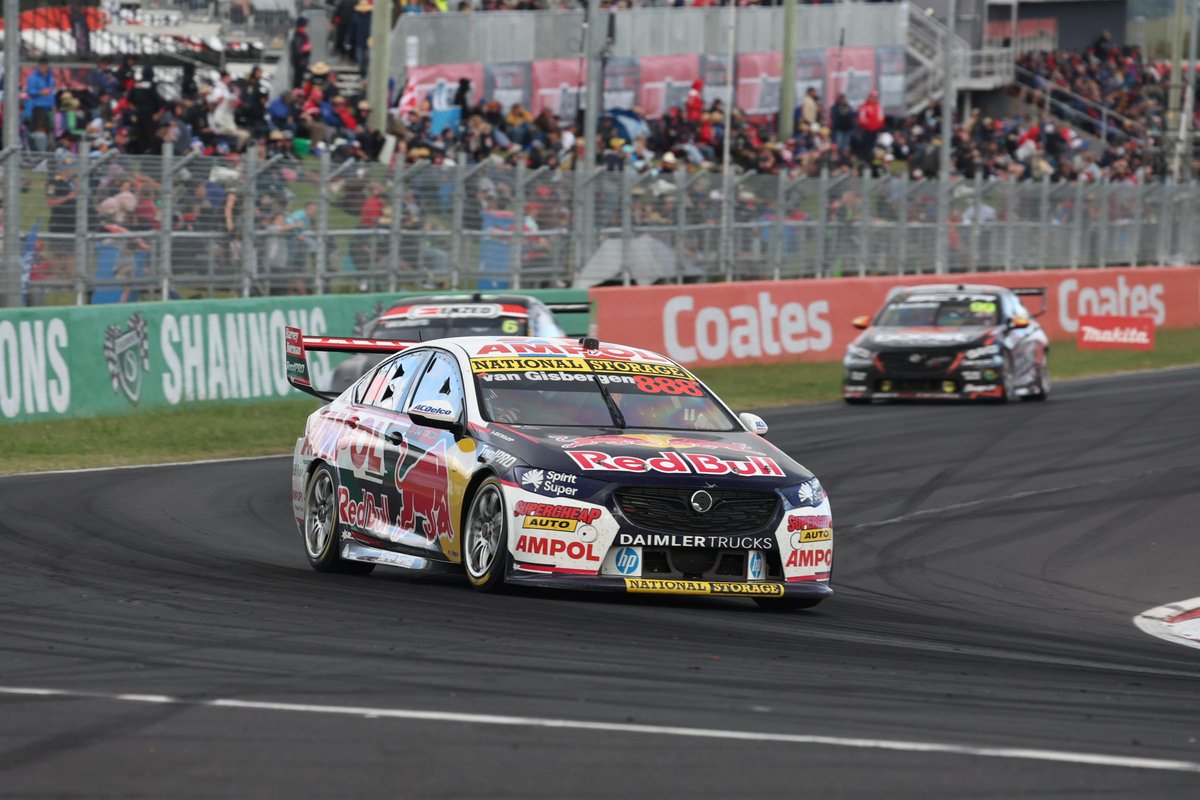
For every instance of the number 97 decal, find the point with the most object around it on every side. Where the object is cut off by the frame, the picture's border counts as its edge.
(656, 385)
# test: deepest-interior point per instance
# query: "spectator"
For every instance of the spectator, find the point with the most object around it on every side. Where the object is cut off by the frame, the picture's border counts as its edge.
(870, 123)
(300, 51)
(810, 107)
(360, 33)
(41, 87)
(842, 117)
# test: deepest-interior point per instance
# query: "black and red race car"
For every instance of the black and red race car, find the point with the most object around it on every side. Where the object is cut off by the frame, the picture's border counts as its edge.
(949, 342)
(447, 315)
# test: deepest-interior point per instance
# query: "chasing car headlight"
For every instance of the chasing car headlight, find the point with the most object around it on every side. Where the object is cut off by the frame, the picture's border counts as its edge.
(857, 355)
(809, 494)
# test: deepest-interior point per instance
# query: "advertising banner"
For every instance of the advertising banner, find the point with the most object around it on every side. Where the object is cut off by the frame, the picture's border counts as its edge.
(88, 361)
(1115, 333)
(665, 83)
(622, 77)
(508, 83)
(758, 83)
(809, 320)
(810, 74)
(557, 84)
(890, 63)
(437, 84)
(849, 71)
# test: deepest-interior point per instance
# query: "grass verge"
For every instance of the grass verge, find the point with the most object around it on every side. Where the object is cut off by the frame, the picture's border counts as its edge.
(268, 428)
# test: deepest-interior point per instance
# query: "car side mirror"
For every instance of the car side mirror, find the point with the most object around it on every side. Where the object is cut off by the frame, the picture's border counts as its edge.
(435, 414)
(862, 323)
(753, 422)
(1019, 322)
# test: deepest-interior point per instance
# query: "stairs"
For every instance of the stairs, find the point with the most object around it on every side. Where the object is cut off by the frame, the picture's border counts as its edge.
(975, 69)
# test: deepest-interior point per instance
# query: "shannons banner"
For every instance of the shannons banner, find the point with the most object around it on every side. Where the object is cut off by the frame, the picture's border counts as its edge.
(88, 361)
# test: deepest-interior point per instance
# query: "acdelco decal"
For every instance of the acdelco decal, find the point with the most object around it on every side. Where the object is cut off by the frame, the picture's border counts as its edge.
(543, 546)
(554, 511)
(698, 463)
(1122, 300)
(714, 333)
(649, 586)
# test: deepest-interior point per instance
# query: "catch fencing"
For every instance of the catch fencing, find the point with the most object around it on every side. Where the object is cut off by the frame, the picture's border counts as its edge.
(150, 228)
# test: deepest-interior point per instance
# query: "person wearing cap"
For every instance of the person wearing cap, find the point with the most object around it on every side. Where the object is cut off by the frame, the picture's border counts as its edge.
(300, 51)
(40, 88)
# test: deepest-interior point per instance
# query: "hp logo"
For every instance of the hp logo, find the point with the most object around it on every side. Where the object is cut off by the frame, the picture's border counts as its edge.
(628, 561)
(756, 565)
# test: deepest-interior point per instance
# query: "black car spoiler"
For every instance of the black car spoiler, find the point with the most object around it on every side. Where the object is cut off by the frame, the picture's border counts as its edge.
(570, 308)
(1033, 291)
(297, 346)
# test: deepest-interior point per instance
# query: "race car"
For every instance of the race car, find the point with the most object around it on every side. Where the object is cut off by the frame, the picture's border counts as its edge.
(949, 342)
(552, 462)
(440, 316)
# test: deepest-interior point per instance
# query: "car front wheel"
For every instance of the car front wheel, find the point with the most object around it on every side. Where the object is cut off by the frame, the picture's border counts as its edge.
(485, 541)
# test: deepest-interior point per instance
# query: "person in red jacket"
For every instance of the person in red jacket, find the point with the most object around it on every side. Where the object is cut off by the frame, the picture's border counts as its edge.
(694, 107)
(870, 123)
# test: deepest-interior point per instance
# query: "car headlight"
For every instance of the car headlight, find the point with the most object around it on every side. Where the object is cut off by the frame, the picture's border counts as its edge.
(809, 494)
(856, 354)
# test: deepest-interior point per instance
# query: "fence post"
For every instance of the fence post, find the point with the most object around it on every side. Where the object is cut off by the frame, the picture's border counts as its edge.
(681, 184)
(1104, 125)
(396, 228)
(902, 225)
(864, 225)
(516, 248)
(323, 226)
(728, 249)
(777, 244)
(1164, 226)
(942, 262)
(1135, 235)
(1044, 233)
(456, 231)
(1105, 198)
(83, 193)
(1077, 224)
(167, 218)
(822, 221)
(249, 251)
(627, 184)
(976, 221)
(1010, 221)
(577, 219)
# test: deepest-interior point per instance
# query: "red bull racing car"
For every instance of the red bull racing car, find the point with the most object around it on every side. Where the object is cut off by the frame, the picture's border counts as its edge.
(556, 463)
(949, 342)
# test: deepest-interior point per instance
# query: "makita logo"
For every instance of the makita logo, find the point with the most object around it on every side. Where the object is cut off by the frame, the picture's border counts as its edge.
(1115, 335)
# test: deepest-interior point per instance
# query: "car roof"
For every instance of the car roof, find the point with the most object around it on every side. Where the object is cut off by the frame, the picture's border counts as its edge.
(948, 288)
(465, 298)
(509, 346)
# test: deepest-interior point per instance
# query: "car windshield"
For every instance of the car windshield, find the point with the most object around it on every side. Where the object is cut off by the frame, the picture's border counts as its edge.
(422, 323)
(941, 311)
(567, 392)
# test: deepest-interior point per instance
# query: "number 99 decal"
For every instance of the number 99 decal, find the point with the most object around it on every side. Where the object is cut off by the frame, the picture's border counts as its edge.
(656, 385)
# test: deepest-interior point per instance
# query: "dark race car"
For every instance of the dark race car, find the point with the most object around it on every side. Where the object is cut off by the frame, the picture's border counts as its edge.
(949, 342)
(444, 316)
(553, 463)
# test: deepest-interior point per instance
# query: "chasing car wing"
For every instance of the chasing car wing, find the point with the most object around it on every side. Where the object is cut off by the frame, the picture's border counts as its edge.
(297, 347)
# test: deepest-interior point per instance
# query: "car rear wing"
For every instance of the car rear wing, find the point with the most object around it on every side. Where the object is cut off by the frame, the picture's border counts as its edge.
(297, 347)
(1033, 291)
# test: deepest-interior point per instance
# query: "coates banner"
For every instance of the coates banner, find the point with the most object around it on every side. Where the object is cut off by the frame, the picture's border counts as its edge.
(758, 83)
(88, 361)
(849, 71)
(437, 84)
(557, 84)
(508, 83)
(1115, 333)
(890, 64)
(809, 320)
(665, 82)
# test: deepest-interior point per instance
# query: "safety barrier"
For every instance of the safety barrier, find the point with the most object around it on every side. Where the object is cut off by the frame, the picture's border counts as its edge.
(58, 363)
(809, 320)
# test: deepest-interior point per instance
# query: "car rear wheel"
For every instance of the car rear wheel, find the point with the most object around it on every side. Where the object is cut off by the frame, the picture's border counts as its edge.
(1043, 380)
(322, 537)
(485, 541)
(787, 603)
(1009, 381)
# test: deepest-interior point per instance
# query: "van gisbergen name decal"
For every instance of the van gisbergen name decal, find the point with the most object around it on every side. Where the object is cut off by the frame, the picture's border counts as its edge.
(680, 463)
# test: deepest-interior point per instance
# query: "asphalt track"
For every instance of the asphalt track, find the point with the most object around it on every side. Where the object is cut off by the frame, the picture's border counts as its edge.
(989, 560)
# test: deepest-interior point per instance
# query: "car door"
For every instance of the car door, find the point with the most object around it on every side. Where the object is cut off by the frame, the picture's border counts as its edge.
(423, 474)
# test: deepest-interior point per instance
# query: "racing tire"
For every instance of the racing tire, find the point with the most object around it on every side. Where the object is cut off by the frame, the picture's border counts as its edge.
(1043, 381)
(783, 604)
(322, 535)
(1009, 382)
(485, 538)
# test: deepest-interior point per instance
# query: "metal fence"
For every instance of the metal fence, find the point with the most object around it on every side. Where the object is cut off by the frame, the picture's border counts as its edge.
(114, 229)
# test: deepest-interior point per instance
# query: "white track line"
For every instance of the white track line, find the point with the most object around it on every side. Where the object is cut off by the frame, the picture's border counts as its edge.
(1030, 754)
(1166, 623)
(146, 466)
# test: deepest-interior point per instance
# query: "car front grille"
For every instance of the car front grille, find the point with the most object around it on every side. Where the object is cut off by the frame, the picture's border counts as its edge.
(917, 364)
(669, 509)
(713, 565)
